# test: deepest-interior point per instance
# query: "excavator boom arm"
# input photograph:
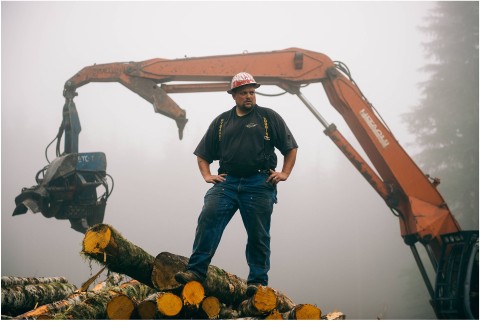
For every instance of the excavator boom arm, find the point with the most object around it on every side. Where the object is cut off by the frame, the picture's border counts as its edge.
(424, 214)
(287, 69)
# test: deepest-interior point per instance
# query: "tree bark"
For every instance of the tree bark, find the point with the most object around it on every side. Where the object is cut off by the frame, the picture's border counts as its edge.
(106, 245)
(16, 280)
(284, 303)
(228, 313)
(95, 307)
(20, 298)
(114, 279)
(57, 307)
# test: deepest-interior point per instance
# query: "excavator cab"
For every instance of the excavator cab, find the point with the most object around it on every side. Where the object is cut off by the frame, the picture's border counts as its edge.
(456, 290)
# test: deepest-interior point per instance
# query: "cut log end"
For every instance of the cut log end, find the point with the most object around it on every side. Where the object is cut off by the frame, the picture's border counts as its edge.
(164, 268)
(211, 306)
(193, 293)
(265, 299)
(274, 315)
(260, 304)
(146, 310)
(120, 307)
(97, 239)
(169, 304)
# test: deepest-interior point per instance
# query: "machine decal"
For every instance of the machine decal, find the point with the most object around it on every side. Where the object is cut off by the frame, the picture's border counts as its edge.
(377, 132)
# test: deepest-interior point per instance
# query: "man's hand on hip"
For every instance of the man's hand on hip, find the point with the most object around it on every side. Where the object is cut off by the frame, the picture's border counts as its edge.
(214, 179)
(276, 177)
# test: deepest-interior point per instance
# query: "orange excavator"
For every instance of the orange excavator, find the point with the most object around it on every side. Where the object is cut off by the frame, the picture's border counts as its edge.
(67, 188)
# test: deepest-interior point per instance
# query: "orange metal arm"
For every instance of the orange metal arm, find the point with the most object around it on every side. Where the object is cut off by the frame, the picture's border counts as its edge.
(145, 87)
(423, 213)
(287, 69)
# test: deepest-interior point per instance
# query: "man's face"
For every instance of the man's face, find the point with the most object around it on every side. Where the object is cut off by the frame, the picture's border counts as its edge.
(245, 97)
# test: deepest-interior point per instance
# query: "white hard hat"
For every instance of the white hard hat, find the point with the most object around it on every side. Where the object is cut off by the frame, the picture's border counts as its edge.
(242, 79)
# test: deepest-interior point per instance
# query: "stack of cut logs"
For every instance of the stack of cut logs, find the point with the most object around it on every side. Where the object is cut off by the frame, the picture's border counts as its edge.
(140, 286)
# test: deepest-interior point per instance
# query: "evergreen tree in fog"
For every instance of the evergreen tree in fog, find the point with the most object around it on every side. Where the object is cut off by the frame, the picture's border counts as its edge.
(445, 122)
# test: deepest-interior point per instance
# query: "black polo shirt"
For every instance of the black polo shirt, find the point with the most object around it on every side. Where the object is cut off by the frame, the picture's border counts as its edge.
(242, 144)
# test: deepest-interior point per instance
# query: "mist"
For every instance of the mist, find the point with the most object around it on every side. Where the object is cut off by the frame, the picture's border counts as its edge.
(334, 241)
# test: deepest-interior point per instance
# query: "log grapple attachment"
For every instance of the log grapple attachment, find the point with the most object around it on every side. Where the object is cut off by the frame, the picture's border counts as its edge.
(68, 190)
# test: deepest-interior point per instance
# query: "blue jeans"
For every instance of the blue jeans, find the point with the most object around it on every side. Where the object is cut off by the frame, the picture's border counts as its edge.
(254, 197)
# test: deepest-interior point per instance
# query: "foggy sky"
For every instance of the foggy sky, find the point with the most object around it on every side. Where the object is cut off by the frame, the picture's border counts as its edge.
(334, 241)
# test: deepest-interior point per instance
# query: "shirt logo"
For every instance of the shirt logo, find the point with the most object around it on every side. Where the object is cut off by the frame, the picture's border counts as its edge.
(251, 125)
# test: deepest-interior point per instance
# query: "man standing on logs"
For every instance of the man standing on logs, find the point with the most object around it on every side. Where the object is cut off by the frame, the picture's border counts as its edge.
(243, 139)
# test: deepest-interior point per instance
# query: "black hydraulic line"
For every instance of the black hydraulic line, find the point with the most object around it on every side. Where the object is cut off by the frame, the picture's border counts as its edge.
(422, 270)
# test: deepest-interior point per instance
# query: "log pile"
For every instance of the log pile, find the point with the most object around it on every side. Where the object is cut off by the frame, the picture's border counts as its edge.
(151, 292)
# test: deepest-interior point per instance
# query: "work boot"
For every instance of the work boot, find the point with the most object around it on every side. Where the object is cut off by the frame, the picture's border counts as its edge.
(252, 289)
(187, 276)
